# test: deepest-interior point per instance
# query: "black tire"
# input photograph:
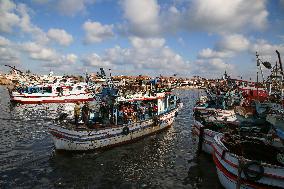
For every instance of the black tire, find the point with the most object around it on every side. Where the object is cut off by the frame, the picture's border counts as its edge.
(252, 175)
(125, 131)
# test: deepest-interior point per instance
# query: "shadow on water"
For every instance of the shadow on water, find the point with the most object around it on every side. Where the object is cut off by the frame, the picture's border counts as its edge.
(165, 160)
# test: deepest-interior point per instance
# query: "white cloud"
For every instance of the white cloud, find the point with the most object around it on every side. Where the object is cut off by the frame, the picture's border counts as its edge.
(148, 18)
(50, 56)
(28, 27)
(234, 42)
(96, 32)
(8, 56)
(95, 60)
(143, 16)
(4, 41)
(267, 50)
(39, 52)
(209, 53)
(145, 55)
(71, 58)
(142, 43)
(227, 16)
(8, 17)
(211, 67)
(60, 36)
(227, 47)
(72, 7)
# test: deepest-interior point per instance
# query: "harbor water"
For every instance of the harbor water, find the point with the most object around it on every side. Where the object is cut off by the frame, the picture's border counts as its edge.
(164, 160)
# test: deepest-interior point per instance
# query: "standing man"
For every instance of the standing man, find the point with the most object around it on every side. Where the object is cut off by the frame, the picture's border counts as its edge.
(85, 113)
(77, 113)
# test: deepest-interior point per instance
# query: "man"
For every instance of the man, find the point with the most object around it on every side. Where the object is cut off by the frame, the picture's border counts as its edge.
(85, 113)
(77, 113)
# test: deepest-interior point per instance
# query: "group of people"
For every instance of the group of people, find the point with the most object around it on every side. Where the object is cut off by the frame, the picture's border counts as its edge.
(128, 113)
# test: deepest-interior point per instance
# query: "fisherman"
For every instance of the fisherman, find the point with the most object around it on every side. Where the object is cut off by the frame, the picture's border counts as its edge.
(85, 113)
(77, 113)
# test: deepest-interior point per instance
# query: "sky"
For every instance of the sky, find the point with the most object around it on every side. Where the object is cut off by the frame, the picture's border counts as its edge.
(149, 37)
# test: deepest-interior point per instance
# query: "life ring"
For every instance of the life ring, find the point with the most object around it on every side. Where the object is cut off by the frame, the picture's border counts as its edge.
(125, 130)
(253, 175)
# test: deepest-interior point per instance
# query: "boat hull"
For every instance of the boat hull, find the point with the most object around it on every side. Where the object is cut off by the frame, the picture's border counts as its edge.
(72, 140)
(227, 166)
(29, 99)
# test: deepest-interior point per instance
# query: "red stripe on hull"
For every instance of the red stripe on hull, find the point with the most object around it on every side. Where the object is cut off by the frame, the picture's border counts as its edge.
(236, 166)
(53, 101)
(234, 177)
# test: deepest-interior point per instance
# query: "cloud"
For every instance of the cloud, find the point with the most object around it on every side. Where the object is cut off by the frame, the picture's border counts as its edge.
(72, 7)
(211, 67)
(8, 17)
(7, 54)
(213, 16)
(143, 16)
(267, 50)
(38, 52)
(234, 42)
(4, 41)
(71, 58)
(96, 32)
(49, 56)
(209, 53)
(227, 47)
(27, 27)
(66, 7)
(227, 16)
(60, 36)
(94, 60)
(146, 55)
(281, 2)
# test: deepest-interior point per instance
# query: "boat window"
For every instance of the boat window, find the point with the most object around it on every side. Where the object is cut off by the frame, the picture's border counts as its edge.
(70, 88)
(33, 90)
(47, 89)
(79, 87)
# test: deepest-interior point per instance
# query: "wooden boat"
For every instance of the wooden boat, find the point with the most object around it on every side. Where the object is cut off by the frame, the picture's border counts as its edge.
(247, 164)
(68, 137)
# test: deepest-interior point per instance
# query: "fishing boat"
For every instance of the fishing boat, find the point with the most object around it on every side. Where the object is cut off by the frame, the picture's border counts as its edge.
(112, 126)
(51, 93)
(204, 132)
(249, 163)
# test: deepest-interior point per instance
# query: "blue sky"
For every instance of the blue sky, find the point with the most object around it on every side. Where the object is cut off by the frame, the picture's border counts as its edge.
(153, 37)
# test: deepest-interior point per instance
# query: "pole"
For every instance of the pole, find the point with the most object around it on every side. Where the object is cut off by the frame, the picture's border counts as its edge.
(257, 85)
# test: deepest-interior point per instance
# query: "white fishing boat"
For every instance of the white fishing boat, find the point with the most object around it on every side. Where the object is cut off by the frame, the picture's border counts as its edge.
(71, 138)
(52, 93)
(250, 164)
